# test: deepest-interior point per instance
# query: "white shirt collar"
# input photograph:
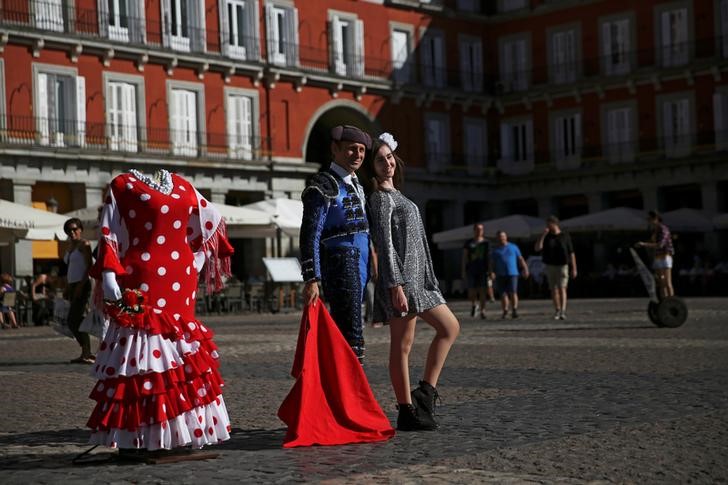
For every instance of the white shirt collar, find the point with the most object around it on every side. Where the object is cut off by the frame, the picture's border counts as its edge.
(341, 172)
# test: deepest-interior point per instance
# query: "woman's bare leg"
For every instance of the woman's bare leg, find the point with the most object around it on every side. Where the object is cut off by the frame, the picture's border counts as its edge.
(447, 329)
(402, 334)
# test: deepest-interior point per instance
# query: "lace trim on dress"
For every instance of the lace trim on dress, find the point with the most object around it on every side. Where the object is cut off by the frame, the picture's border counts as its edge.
(165, 180)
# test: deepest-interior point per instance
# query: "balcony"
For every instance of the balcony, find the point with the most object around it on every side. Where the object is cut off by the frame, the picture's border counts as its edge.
(249, 54)
(73, 137)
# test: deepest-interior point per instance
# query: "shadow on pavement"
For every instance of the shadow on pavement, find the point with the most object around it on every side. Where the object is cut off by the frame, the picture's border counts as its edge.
(254, 439)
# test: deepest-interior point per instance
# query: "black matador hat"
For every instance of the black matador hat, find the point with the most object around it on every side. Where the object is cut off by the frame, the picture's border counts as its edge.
(351, 133)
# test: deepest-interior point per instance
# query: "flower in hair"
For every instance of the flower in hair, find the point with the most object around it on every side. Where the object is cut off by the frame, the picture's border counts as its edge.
(389, 140)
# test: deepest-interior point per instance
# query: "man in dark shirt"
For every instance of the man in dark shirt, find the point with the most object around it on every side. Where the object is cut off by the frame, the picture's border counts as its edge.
(557, 254)
(475, 269)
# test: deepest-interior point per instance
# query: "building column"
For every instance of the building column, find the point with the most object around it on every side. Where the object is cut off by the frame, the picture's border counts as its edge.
(650, 198)
(23, 250)
(94, 196)
(710, 200)
(545, 206)
(217, 196)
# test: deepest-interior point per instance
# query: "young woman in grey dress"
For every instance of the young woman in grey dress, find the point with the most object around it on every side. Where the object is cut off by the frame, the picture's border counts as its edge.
(406, 286)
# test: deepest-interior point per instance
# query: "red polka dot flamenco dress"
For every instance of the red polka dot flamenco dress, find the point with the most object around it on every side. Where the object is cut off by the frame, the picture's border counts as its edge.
(158, 381)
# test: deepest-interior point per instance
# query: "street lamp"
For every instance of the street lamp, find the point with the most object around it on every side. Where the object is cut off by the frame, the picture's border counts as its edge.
(52, 204)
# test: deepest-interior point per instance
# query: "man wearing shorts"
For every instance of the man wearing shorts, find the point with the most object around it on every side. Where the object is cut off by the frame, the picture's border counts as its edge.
(558, 255)
(505, 258)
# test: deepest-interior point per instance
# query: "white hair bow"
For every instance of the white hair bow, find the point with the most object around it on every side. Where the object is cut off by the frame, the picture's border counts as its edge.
(389, 140)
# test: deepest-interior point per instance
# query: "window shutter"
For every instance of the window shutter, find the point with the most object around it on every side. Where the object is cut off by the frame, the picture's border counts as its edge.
(718, 114)
(246, 126)
(577, 134)
(359, 48)
(337, 46)
(466, 68)
(291, 38)
(428, 78)
(252, 39)
(166, 6)
(724, 27)
(529, 140)
(684, 118)
(192, 114)
(477, 52)
(666, 39)
(506, 145)
(41, 109)
(521, 74)
(607, 47)
(103, 10)
(271, 38)
(231, 117)
(130, 116)
(222, 10)
(80, 111)
(137, 22)
(559, 145)
(196, 19)
(439, 60)
(667, 123)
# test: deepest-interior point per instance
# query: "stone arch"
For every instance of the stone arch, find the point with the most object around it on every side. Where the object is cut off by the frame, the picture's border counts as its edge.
(336, 112)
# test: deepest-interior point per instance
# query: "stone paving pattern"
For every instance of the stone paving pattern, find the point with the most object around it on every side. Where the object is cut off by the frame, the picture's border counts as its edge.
(602, 397)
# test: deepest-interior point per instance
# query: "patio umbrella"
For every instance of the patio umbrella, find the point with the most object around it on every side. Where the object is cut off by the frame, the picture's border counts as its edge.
(517, 226)
(688, 220)
(617, 219)
(286, 214)
(25, 222)
(721, 221)
(245, 223)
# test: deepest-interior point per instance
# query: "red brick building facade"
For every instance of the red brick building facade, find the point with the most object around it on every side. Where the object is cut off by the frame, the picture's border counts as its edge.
(500, 106)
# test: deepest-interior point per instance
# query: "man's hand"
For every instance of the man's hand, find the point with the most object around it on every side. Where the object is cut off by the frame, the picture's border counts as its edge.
(399, 301)
(311, 292)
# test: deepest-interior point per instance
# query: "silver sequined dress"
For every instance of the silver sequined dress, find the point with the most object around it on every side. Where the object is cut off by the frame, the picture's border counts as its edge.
(403, 254)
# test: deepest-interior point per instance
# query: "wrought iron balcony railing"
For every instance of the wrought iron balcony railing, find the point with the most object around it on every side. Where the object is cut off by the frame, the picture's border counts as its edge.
(73, 136)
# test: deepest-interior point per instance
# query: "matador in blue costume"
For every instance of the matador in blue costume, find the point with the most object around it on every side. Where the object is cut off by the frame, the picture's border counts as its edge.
(334, 237)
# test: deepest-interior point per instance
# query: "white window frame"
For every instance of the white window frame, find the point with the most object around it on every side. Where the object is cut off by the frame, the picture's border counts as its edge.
(250, 50)
(475, 144)
(471, 62)
(720, 117)
(282, 44)
(238, 147)
(74, 130)
(566, 138)
(564, 53)
(437, 149)
(514, 63)
(618, 41)
(49, 15)
(194, 22)
(516, 157)
(402, 64)
(619, 137)
(674, 52)
(676, 123)
(433, 60)
(133, 130)
(182, 142)
(346, 44)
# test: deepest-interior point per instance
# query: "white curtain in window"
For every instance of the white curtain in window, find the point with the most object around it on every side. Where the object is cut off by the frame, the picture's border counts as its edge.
(564, 56)
(619, 135)
(122, 115)
(184, 122)
(567, 136)
(400, 56)
(475, 148)
(49, 15)
(675, 37)
(615, 47)
(724, 28)
(720, 120)
(338, 56)
(358, 48)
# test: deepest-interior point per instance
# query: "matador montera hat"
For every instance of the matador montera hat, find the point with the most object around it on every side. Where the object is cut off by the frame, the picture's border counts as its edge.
(351, 133)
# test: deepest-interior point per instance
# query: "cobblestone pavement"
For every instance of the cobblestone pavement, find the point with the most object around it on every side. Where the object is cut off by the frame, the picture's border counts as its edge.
(601, 397)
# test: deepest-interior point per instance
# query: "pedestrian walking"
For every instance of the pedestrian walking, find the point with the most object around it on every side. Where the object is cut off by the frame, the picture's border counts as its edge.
(558, 257)
(7, 310)
(78, 260)
(506, 258)
(334, 236)
(475, 270)
(407, 287)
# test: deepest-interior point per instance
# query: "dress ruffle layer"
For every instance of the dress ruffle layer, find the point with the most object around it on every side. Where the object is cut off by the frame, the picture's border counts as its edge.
(159, 385)
(200, 426)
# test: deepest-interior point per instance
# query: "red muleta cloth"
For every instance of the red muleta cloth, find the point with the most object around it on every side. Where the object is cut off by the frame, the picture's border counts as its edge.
(331, 402)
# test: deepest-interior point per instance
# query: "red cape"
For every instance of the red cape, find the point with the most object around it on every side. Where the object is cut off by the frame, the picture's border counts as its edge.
(331, 402)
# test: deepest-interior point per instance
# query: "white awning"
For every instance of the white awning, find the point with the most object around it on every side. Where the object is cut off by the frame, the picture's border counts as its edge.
(617, 219)
(517, 226)
(25, 222)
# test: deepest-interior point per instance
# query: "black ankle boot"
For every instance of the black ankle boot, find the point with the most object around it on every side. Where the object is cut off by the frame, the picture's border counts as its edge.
(424, 397)
(409, 419)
